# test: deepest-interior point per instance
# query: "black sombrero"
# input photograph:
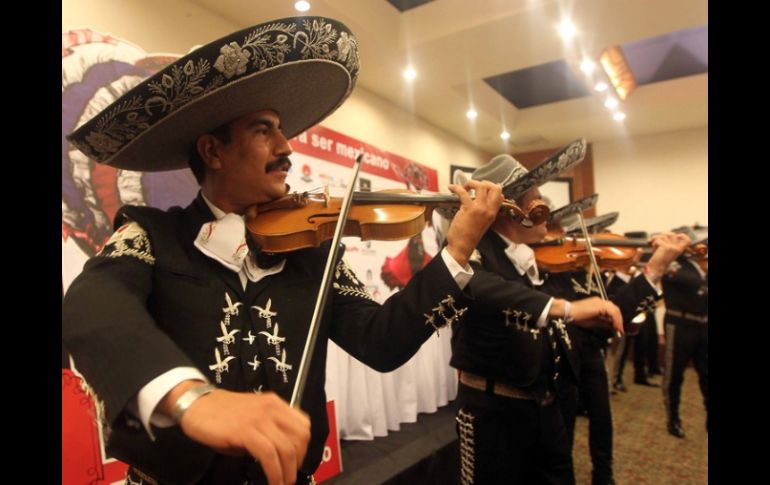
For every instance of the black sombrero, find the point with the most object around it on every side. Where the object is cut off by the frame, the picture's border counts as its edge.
(594, 224)
(303, 68)
(517, 180)
(574, 207)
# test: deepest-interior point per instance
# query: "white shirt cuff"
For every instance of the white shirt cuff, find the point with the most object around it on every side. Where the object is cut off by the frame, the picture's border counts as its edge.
(657, 289)
(150, 395)
(542, 320)
(462, 276)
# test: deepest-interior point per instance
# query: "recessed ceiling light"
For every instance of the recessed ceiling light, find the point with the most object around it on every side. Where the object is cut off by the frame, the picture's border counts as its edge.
(601, 86)
(619, 116)
(611, 103)
(505, 135)
(567, 30)
(587, 66)
(471, 114)
(410, 73)
(302, 6)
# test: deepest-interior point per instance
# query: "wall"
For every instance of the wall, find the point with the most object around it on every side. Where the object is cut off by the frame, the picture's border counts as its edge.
(656, 182)
(173, 26)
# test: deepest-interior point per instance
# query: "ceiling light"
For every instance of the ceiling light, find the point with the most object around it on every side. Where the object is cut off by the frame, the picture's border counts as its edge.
(471, 114)
(601, 87)
(410, 73)
(587, 66)
(618, 71)
(302, 6)
(567, 30)
(611, 103)
(505, 135)
(619, 116)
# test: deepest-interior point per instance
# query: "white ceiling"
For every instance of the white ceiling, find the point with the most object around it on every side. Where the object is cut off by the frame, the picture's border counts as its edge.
(454, 44)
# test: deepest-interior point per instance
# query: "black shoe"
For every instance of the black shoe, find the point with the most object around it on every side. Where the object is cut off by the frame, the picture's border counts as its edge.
(611, 481)
(645, 382)
(619, 386)
(675, 428)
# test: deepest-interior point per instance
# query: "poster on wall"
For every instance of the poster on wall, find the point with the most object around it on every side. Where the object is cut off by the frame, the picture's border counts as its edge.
(96, 70)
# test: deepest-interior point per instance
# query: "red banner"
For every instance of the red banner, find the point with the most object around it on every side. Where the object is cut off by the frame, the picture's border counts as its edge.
(331, 146)
(331, 462)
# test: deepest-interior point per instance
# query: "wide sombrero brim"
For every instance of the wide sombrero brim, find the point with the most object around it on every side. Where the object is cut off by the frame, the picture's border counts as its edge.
(302, 68)
(594, 224)
(550, 168)
(573, 208)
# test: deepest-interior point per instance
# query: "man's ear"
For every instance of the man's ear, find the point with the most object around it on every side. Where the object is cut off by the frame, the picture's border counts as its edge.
(208, 146)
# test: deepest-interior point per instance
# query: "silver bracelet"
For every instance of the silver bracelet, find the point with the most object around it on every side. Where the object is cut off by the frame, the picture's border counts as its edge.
(567, 311)
(189, 397)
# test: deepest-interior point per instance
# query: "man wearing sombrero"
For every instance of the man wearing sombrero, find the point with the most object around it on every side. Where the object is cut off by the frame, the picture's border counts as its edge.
(188, 336)
(516, 359)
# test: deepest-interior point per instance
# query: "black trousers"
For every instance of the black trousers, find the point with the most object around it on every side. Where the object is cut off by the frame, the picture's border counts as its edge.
(684, 341)
(645, 345)
(646, 349)
(511, 441)
(595, 394)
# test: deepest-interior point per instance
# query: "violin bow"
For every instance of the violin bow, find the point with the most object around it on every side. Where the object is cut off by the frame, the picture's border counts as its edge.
(323, 292)
(592, 258)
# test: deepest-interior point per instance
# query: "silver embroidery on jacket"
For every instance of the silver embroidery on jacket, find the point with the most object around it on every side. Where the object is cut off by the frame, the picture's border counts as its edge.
(129, 240)
(520, 321)
(467, 446)
(559, 324)
(281, 365)
(220, 365)
(647, 305)
(443, 315)
(227, 338)
(230, 309)
(266, 313)
(346, 283)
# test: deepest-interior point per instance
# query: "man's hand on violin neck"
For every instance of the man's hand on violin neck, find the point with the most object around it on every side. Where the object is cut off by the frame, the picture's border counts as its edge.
(667, 246)
(595, 312)
(473, 219)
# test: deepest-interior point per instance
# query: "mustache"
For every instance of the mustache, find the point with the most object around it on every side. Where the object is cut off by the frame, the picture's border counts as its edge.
(278, 163)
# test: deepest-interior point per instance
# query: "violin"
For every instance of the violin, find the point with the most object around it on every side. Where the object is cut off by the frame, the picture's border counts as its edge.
(613, 252)
(303, 220)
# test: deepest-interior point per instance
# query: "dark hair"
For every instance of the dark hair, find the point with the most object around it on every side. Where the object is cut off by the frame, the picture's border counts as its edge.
(222, 133)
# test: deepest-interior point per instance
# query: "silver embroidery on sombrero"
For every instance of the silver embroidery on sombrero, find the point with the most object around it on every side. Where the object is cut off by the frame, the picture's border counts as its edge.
(345, 282)
(129, 240)
(265, 47)
(547, 170)
(442, 312)
(520, 321)
(467, 446)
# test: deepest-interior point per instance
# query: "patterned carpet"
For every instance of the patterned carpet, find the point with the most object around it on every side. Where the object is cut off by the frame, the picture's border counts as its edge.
(644, 451)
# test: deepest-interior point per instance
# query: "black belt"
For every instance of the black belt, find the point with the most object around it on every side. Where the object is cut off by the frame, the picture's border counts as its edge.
(687, 316)
(502, 389)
